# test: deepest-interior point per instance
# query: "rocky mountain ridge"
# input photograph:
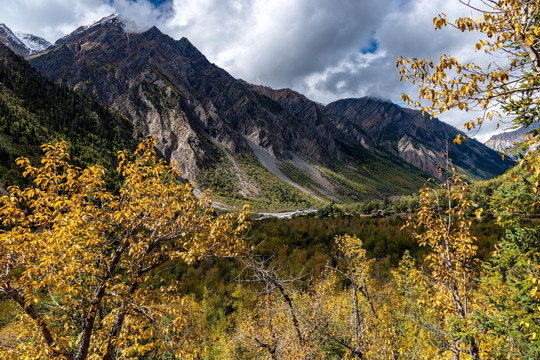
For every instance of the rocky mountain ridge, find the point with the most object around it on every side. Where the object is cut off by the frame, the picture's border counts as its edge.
(414, 137)
(506, 141)
(22, 44)
(214, 125)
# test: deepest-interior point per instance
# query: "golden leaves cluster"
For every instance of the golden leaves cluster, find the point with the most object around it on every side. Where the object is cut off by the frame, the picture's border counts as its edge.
(76, 257)
(345, 313)
(442, 224)
(509, 29)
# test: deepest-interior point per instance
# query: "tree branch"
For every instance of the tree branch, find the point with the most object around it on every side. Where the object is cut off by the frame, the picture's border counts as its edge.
(34, 315)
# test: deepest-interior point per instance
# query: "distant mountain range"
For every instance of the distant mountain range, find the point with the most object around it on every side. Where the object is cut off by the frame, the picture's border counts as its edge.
(507, 141)
(251, 142)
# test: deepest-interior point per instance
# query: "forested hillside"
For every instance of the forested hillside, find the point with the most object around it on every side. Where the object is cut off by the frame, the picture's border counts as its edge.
(35, 111)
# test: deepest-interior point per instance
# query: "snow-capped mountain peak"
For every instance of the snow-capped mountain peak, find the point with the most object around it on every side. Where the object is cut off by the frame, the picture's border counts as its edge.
(84, 28)
(22, 44)
(105, 20)
(33, 42)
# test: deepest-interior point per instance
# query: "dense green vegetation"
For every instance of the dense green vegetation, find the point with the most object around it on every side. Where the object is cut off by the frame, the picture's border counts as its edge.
(300, 177)
(306, 244)
(220, 177)
(34, 111)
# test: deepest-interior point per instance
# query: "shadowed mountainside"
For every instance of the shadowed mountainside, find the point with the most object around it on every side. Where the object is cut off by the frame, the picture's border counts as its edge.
(416, 138)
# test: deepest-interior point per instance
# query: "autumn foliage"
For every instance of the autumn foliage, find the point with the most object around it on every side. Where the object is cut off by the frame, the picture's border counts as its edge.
(77, 259)
(85, 266)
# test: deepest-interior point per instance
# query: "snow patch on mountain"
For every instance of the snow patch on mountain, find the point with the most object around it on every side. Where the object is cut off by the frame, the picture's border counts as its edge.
(507, 141)
(34, 43)
(95, 23)
(81, 29)
(22, 44)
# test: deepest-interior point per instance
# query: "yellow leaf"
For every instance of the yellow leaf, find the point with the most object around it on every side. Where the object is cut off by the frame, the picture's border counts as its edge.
(478, 213)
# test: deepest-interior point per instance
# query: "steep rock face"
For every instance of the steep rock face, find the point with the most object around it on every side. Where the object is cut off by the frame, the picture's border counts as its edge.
(416, 138)
(134, 73)
(171, 90)
(507, 141)
(312, 116)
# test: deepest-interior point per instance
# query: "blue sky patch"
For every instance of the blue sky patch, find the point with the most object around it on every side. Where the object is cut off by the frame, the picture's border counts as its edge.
(371, 48)
(158, 2)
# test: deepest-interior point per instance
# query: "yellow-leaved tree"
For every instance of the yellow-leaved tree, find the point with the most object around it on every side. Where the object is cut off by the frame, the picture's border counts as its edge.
(345, 313)
(442, 225)
(77, 258)
(374, 318)
(506, 27)
(509, 34)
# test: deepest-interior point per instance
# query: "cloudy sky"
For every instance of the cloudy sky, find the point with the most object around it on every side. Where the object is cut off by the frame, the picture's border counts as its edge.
(324, 49)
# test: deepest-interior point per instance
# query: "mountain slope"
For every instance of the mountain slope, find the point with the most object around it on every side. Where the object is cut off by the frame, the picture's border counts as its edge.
(506, 141)
(22, 44)
(244, 140)
(34, 111)
(33, 43)
(416, 138)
